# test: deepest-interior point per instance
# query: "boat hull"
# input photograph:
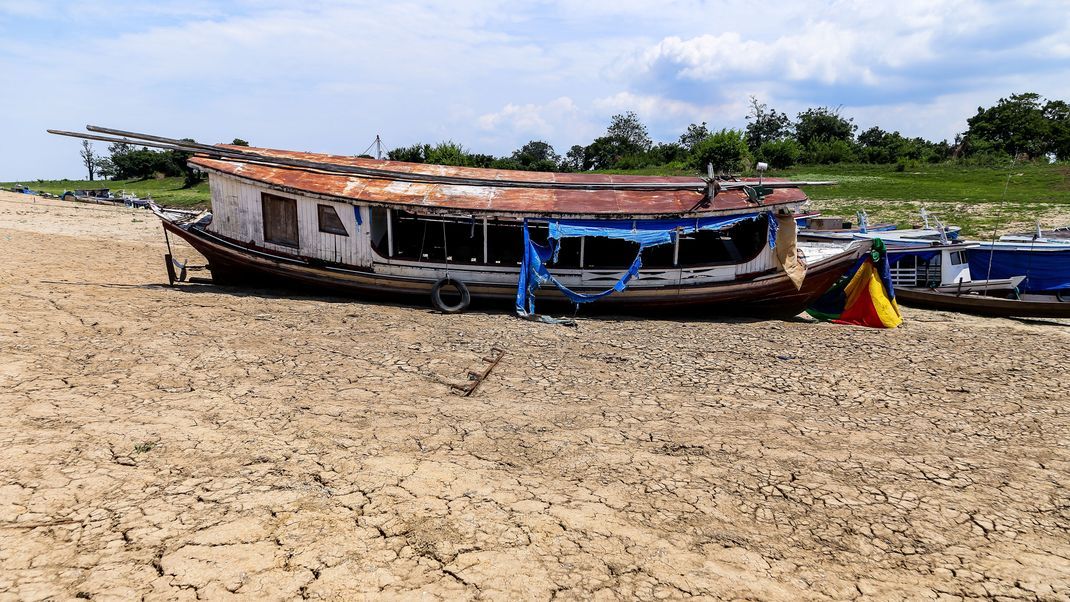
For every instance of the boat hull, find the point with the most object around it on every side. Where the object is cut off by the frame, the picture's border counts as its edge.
(981, 305)
(768, 295)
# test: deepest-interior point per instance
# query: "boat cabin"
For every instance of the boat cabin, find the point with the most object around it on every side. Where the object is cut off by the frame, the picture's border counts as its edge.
(475, 246)
(930, 267)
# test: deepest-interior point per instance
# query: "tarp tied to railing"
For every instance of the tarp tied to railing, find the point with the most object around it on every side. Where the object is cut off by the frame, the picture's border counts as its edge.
(647, 233)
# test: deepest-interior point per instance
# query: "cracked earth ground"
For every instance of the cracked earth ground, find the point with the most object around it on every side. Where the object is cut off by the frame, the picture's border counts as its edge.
(206, 442)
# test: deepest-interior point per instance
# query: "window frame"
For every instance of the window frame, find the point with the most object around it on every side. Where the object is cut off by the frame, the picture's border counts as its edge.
(339, 230)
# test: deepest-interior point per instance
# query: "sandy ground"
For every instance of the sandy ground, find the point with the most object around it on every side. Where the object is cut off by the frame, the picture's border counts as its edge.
(198, 442)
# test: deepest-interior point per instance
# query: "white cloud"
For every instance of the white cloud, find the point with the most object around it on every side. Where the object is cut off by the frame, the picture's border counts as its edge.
(649, 106)
(536, 119)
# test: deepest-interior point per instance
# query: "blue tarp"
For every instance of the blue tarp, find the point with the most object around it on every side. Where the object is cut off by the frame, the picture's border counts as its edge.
(1044, 271)
(922, 254)
(648, 233)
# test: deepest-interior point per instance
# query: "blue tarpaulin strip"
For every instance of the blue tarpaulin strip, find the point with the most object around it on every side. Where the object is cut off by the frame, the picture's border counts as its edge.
(356, 214)
(647, 233)
(922, 254)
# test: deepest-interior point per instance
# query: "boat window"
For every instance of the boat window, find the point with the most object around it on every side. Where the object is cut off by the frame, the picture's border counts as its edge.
(601, 252)
(568, 253)
(957, 258)
(660, 256)
(280, 220)
(330, 222)
(740, 243)
(436, 239)
(505, 241)
(378, 230)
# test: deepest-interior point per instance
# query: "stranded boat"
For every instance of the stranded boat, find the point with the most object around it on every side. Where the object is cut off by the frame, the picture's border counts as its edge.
(1042, 257)
(940, 277)
(364, 226)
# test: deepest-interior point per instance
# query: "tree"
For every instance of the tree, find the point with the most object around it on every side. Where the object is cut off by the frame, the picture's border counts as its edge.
(1023, 124)
(105, 168)
(179, 161)
(409, 154)
(606, 151)
(1057, 113)
(631, 131)
(694, 135)
(89, 158)
(664, 153)
(765, 124)
(575, 159)
(536, 156)
(823, 124)
(780, 153)
(447, 153)
(726, 150)
(626, 136)
(239, 142)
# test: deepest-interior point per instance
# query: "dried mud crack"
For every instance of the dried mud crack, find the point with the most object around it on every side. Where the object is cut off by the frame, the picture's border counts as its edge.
(206, 442)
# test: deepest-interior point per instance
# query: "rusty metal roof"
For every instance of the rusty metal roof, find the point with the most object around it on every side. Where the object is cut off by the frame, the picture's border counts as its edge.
(445, 197)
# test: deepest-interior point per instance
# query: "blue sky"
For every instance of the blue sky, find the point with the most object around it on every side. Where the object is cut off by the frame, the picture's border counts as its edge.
(325, 75)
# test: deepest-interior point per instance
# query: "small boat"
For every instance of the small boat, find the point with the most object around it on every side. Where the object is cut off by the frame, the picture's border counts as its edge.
(350, 225)
(940, 277)
(923, 236)
(984, 305)
(816, 225)
(1057, 236)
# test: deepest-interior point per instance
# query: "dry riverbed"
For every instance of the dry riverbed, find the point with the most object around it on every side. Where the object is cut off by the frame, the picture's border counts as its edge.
(201, 442)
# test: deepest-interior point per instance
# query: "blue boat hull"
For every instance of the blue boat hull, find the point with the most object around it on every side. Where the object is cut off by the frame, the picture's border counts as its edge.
(1045, 271)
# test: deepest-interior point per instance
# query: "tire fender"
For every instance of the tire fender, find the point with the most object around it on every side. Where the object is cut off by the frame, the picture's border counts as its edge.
(462, 290)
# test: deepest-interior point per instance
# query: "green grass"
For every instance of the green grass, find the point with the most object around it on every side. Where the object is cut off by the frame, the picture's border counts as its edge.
(967, 196)
(165, 191)
(971, 197)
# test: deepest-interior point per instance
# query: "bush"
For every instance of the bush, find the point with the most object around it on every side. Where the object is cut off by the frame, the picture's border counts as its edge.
(637, 161)
(726, 150)
(780, 153)
(828, 151)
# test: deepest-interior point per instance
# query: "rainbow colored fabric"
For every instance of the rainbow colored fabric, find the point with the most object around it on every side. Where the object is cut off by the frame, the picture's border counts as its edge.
(864, 296)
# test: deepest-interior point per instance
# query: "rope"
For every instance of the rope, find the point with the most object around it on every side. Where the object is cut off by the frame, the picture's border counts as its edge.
(995, 229)
(445, 250)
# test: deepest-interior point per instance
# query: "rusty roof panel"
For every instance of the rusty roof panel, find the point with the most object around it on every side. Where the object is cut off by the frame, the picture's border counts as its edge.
(476, 198)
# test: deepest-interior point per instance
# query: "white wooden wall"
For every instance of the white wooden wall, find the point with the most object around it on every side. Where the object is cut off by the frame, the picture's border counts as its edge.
(237, 214)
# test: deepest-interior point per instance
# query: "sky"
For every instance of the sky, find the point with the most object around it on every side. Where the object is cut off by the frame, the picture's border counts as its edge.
(329, 75)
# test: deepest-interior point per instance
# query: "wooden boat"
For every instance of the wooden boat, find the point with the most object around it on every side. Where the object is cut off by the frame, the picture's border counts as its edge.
(368, 227)
(939, 277)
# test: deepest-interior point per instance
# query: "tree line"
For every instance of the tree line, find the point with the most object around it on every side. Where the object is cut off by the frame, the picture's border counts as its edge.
(1020, 127)
(129, 162)
(1023, 127)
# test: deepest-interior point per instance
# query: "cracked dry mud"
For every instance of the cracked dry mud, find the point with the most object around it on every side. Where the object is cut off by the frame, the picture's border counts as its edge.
(198, 442)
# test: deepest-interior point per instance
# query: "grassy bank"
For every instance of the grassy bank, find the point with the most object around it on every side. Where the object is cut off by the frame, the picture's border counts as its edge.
(971, 197)
(165, 191)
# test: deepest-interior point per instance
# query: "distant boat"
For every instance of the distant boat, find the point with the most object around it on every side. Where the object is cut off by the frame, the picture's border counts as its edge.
(814, 226)
(941, 277)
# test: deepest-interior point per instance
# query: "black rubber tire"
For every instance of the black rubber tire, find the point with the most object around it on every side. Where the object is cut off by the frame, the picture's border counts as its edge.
(1063, 295)
(436, 296)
